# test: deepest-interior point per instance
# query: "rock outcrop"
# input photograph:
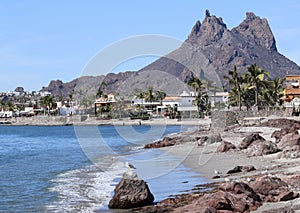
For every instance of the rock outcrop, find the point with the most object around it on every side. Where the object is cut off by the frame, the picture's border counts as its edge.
(273, 189)
(230, 197)
(260, 148)
(248, 140)
(131, 192)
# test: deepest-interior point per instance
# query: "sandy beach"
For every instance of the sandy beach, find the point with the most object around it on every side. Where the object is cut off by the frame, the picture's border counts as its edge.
(205, 160)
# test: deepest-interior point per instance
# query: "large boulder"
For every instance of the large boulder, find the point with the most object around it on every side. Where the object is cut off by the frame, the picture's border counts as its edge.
(230, 197)
(250, 139)
(260, 148)
(131, 192)
(225, 146)
(273, 189)
(238, 169)
(290, 139)
(278, 134)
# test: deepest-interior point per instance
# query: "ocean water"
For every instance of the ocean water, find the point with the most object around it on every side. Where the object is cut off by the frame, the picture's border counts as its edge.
(75, 169)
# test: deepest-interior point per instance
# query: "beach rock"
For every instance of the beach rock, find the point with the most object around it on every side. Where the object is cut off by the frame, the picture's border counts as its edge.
(166, 141)
(278, 134)
(202, 140)
(290, 139)
(241, 169)
(290, 152)
(229, 197)
(236, 169)
(273, 189)
(240, 188)
(225, 146)
(131, 192)
(260, 148)
(250, 139)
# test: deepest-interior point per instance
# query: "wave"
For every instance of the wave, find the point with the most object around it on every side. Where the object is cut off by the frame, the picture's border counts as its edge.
(84, 190)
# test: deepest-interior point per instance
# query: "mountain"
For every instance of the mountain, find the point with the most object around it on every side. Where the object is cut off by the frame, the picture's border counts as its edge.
(210, 50)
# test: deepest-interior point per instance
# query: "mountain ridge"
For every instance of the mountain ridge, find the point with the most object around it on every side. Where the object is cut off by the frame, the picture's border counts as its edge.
(210, 50)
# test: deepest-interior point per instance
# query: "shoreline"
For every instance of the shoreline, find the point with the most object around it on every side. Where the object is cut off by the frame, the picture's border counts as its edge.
(94, 121)
(204, 160)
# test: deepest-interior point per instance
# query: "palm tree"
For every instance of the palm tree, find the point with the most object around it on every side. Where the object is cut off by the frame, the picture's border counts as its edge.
(273, 93)
(196, 84)
(160, 95)
(235, 81)
(140, 95)
(149, 96)
(47, 102)
(255, 78)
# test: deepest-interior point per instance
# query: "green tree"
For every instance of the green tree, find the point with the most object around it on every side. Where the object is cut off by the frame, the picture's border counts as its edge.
(201, 101)
(160, 96)
(235, 82)
(255, 79)
(196, 84)
(87, 102)
(273, 93)
(100, 91)
(47, 102)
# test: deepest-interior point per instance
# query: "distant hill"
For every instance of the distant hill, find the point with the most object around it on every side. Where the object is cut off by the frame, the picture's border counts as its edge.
(210, 50)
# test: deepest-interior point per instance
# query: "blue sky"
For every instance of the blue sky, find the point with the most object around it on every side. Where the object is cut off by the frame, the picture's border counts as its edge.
(48, 40)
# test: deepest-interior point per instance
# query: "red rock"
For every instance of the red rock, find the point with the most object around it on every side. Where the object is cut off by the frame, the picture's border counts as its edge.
(162, 143)
(278, 134)
(273, 189)
(250, 139)
(131, 193)
(259, 148)
(290, 139)
(287, 195)
(225, 147)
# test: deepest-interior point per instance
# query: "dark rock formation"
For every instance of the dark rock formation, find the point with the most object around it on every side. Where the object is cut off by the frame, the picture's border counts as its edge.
(250, 139)
(225, 147)
(210, 50)
(131, 193)
(259, 148)
(238, 169)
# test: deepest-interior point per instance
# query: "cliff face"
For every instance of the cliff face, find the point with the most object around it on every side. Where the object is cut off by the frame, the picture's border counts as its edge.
(210, 50)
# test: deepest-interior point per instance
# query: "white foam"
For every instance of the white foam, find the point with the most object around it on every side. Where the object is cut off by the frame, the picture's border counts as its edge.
(84, 190)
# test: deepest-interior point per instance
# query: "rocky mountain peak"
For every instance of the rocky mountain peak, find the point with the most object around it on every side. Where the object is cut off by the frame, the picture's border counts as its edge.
(253, 28)
(211, 30)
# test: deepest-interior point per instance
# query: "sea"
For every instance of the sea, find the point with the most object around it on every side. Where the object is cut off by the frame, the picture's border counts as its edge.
(75, 169)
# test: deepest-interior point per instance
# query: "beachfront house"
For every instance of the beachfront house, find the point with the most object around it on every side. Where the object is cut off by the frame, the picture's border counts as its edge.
(104, 104)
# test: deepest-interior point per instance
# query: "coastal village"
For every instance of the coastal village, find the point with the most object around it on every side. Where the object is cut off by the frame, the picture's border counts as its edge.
(197, 102)
(240, 141)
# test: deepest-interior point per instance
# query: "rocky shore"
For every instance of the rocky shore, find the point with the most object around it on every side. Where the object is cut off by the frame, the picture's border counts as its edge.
(249, 168)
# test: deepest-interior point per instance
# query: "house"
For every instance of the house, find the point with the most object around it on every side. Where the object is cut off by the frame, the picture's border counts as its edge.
(292, 89)
(104, 104)
(292, 92)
